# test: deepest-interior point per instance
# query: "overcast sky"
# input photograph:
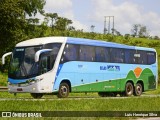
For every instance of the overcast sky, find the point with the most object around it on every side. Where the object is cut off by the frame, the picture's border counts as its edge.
(85, 13)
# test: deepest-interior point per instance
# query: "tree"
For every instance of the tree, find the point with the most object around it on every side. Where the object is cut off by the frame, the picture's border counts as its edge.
(156, 37)
(62, 23)
(143, 32)
(13, 26)
(135, 30)
(116, 32)
(53, 16)
(139, 30)
(32, 7)
(11, 23)
(33, 21)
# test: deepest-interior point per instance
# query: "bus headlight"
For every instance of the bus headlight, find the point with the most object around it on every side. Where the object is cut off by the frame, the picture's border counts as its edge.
(33, 82)
(33, 89)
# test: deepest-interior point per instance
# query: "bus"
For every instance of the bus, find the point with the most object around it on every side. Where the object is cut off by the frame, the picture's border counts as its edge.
(60, 65)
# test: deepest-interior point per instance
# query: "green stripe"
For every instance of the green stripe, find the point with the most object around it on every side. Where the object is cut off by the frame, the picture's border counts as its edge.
(118, 84)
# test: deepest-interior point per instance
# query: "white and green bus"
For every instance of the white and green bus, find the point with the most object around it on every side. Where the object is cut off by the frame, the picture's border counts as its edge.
(62, 65)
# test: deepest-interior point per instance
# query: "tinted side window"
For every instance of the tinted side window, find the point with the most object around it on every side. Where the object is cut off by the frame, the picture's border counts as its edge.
(102, 54)
(52, 45)
(86, 53)
(127, 56)
(117, 55)
(70, 53)
(142, 57)
(151, 57)
(134, 56)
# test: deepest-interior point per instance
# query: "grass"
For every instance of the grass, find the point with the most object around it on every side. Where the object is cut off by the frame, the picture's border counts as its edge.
(3, 79)
(76, 102)
(51, 103)
(121, 104)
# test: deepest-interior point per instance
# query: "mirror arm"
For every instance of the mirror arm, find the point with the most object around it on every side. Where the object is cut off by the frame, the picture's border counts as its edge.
(39, 52)
(5, 55)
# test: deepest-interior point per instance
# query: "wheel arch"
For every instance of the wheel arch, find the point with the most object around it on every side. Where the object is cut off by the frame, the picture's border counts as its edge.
(68, 82)
(131, 81)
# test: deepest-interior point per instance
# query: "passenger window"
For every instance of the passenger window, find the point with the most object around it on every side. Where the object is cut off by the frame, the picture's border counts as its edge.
(70, 53)
(128, 56)
(142, 57)
(151, 57)
(102, 54)
(134, 56)
(87, 53)
(117, 55)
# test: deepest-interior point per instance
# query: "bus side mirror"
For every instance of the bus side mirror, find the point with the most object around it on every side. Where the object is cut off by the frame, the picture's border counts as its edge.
(39, 52)
(5, 55)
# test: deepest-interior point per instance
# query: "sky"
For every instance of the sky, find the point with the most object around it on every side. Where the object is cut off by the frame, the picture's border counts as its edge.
(85, 13)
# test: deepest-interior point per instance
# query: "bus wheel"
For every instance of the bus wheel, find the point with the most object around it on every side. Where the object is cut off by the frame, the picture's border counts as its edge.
(37, 95)
(63, 90)
(138, 89)
(129, 89)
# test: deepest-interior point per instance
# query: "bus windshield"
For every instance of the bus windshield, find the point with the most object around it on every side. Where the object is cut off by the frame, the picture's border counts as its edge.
(23, 64)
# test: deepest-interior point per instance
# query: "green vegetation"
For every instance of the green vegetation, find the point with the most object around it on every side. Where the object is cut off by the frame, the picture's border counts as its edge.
(23, 102)
(3, 79)
(121, 104)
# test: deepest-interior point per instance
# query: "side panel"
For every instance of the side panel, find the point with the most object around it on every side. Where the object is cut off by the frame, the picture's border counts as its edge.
(95, 76)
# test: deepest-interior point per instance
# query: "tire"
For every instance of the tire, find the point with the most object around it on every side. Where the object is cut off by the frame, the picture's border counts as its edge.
(129, 89)
(138, 89)
(63, 90)
(37, 95)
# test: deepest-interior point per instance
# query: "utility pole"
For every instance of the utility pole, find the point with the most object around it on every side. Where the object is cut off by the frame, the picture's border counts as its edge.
(113, 26)
(105, 29)
(92, 28)
(109, 24)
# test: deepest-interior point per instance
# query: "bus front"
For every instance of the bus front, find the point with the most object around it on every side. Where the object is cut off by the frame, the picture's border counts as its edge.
(33, 69)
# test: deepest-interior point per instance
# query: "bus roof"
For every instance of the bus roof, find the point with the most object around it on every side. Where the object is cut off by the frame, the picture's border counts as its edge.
(104, 44)
(45, 40)
(41, 41)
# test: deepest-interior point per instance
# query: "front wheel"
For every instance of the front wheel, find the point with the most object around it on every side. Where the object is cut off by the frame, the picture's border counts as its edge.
(138, 89)
(129, 89)
(37, 95)
(63, 90)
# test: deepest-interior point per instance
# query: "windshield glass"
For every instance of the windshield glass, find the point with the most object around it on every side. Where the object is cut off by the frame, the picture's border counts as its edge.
(23, 64)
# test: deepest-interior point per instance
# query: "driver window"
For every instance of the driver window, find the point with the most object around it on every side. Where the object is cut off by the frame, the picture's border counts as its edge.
(45, 64)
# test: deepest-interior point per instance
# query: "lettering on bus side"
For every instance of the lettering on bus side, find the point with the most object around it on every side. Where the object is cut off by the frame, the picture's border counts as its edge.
(110, 68)
(80, 66)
